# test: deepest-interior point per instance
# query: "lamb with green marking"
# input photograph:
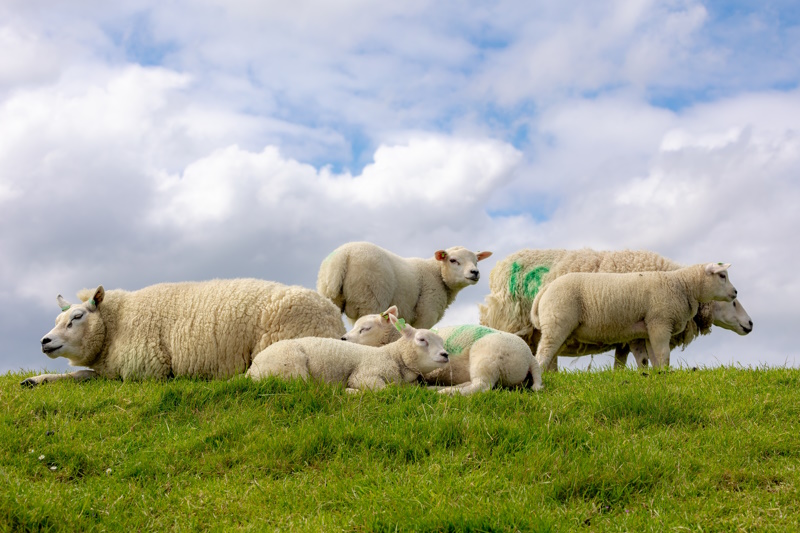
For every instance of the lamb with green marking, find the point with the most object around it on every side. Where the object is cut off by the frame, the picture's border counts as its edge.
(480, 357)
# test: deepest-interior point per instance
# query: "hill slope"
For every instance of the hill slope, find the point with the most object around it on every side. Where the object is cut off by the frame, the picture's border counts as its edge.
(713, 449)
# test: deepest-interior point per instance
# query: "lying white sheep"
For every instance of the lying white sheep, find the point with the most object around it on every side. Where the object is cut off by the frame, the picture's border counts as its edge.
(362, 278)
(418, 351)
(609, 309)
(207, 329)
(480, 357)
(515, 281)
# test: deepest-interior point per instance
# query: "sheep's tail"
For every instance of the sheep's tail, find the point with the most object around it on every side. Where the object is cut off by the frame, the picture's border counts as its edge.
(535, 309)
(330, 280)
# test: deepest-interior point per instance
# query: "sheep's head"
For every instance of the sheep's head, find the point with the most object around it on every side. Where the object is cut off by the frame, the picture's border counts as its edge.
(717, 284)
(460, 266)
(79, 333)
(374, 330)
(732, 316)
(427, 353)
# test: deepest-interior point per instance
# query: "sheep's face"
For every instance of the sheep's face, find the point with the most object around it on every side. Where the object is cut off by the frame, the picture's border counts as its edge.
(718, 285)
(732, 316)
(79, 333)
(429, 350)
(373, 330)
(460, 266)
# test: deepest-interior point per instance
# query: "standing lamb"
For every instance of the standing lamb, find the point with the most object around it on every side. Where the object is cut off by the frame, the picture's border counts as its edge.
(609, 309)
(208, 329)
(515, 281)
(418, 351)
(480, 357)
(727, 315)
(362, 278)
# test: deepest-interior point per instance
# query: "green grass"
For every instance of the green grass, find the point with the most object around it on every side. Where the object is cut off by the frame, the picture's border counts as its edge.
(709, 450)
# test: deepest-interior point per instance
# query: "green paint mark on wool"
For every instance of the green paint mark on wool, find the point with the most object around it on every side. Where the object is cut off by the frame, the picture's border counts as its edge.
(465, 336)
(527, 284)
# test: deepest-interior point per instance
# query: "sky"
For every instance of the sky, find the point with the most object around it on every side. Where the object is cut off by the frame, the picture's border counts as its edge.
(144, 141)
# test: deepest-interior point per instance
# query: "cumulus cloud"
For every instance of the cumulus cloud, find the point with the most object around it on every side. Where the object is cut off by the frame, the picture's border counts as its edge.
(138, 145)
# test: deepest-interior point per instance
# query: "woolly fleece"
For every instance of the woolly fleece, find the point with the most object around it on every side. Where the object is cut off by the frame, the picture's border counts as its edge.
(355, 366)
(601, 308)
(362, 278)
(208, 329)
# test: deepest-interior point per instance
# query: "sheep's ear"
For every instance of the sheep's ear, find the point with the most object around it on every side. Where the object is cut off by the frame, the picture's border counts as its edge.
(440, 255)
(401, 325)
(483, 255)
(97, 299)
(62, 303)
(714, 268)
(391, 311)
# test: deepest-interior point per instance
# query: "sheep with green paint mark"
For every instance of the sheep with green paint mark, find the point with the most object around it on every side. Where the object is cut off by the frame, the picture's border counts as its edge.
(480, 357)
(515, 281)
(362, 278)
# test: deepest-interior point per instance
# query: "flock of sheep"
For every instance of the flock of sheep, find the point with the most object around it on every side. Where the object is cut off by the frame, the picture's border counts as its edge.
(544, 302)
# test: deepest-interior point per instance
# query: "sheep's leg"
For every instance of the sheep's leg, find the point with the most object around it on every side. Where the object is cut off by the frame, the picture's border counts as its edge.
(356, 383)
(658, 337)
(471, 387)
(640, 352)
(548, 347)
(78, 375)
(553, 366)
(621, 356)
(536, 374)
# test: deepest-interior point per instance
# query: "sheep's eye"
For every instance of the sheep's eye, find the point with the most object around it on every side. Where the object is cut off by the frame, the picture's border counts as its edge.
(454, 261)
(78, 316)
(722, 276)
(364, 329)
(69, 325)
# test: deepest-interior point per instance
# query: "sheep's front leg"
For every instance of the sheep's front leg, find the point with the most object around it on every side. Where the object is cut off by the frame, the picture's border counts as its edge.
(658, 337)
(78, 375)
(357, 383)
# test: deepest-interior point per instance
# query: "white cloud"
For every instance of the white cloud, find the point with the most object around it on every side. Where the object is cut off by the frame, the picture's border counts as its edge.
(268, 135)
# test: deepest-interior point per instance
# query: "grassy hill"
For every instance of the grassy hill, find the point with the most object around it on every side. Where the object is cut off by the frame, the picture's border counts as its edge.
(707, 450)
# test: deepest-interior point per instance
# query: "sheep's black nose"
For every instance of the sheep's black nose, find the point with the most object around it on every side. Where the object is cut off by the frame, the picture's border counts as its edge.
(45, 340)
(475, 272)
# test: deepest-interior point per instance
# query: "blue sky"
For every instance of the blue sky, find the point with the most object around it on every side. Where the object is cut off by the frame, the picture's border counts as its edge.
(144, 141)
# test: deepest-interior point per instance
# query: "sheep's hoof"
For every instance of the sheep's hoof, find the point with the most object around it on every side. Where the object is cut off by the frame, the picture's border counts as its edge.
(29, 383)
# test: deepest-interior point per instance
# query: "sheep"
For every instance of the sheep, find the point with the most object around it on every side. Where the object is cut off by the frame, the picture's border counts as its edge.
(727, 315)
(480, 357)
(418, 351)
(515, 281)
(208, 329)
(602, 308)
(362, 278)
